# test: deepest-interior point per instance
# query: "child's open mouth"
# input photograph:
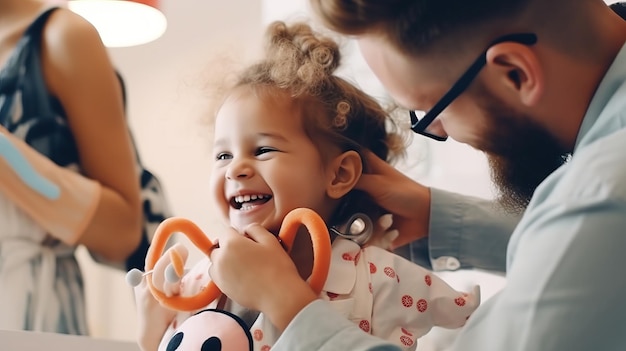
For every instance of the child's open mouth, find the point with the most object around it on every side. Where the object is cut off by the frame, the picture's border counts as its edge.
(244, 202)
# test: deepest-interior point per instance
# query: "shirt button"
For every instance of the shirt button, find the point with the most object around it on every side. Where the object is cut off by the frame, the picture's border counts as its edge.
(446, 263)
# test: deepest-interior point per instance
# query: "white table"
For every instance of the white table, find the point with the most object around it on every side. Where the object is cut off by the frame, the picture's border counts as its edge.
(34, 341)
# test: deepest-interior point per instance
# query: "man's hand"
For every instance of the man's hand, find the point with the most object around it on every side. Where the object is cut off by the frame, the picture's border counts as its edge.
(407, 200)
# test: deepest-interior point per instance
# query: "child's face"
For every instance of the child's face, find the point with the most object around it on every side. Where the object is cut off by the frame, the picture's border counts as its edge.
(265, 164)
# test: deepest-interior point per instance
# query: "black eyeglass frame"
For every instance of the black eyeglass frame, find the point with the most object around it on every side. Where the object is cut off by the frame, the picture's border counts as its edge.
(419, 125)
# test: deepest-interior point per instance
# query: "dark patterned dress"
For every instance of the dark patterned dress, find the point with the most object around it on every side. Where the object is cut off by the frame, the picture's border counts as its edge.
(41, 287)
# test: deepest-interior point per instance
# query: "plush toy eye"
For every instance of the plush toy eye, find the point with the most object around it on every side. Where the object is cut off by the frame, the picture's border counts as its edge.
(212, 344)
(210, 330)
(175, 341)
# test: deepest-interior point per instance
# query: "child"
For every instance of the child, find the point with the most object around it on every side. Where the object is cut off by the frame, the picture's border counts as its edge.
(290, 134)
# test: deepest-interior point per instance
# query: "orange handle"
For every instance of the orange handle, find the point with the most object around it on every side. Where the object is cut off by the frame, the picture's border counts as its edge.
(200, 240)
(320, 239)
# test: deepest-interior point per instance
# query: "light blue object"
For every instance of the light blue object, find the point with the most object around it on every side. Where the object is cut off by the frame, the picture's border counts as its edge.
(134, 277)
(170, 274)
(26, 172)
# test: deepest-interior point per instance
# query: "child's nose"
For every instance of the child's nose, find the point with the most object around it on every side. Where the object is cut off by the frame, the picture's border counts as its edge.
(239, 170)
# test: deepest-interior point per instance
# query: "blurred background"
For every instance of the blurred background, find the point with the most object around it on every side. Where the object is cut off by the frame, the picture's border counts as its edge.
(169, 84)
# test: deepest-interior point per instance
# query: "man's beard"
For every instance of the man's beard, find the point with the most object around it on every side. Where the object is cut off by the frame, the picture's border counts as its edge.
(521, 154)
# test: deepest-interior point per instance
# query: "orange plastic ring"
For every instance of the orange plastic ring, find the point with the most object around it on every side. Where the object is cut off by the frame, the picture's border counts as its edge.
(320, 239)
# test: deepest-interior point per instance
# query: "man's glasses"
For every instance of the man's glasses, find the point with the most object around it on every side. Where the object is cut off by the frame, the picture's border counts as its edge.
(423, 125)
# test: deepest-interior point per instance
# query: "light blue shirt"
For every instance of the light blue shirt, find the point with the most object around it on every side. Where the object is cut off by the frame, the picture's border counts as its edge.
(465, 232)
(565, 271)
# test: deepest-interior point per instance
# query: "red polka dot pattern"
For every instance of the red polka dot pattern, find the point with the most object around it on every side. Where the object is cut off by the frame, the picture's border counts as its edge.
(347, 257)
(428, 280)
(422, 305)
(365, 325)
(265, 348)
(407, 301)
(372, 268)
(390, 272)
(459, 301)
(332, 295)
(257, 334)
(406, 332)
(406, 341)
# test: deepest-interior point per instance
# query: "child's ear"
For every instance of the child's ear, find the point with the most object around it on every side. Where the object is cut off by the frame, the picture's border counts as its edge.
(344, 171)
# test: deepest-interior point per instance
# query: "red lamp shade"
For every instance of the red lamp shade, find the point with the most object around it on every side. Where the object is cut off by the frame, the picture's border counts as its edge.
(123, 23)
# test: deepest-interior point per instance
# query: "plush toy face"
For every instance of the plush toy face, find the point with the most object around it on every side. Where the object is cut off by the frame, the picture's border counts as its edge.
(211, 330)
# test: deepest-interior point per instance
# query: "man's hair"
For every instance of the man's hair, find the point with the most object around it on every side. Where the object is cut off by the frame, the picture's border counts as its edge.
(414, 25)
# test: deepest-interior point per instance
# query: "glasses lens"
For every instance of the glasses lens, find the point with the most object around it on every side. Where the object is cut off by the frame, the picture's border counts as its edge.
(433, 130)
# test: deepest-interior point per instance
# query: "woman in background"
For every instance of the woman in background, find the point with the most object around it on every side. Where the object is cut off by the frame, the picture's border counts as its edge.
(83, 146)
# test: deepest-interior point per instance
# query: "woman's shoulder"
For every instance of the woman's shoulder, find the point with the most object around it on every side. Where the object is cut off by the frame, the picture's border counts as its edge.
(73, 55)
(66, 29)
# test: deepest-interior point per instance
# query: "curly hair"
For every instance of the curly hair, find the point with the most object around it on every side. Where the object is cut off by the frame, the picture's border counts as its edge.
(301, 63)
(413, 25)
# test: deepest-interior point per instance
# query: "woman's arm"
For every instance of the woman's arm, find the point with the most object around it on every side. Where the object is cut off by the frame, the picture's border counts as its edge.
(79, 73)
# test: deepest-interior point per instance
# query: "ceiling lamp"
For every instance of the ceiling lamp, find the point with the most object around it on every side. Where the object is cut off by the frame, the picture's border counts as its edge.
(122, 23)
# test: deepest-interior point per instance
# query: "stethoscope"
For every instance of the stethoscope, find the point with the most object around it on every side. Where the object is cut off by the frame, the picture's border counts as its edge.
(358, 228)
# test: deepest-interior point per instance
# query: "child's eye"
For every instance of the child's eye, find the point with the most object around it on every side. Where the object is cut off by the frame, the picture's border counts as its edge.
(264, 149)
(223, 156)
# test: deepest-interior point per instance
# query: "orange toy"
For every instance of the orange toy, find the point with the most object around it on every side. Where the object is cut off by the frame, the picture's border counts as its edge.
(320, 239)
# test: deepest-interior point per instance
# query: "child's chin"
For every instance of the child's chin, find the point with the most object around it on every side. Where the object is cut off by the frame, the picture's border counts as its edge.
(240, 227)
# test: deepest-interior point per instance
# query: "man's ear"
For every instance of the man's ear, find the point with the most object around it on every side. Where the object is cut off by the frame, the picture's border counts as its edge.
(517, 69)
(343, 173)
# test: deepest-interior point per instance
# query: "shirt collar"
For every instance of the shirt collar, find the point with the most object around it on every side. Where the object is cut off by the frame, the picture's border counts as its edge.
(342, 274)
(612, 81)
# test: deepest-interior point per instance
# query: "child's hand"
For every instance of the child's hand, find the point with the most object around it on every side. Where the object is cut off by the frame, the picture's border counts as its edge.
(153, 319)
(259, 274)
(164, 278)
